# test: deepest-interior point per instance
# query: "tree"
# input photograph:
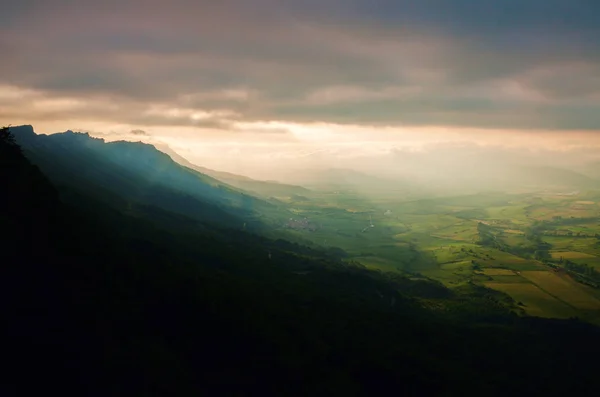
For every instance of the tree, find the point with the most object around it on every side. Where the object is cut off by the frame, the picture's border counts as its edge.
(8, 144)
(542, 255)
(6, 138)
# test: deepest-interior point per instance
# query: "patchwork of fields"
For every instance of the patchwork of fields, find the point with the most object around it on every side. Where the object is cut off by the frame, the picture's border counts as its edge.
(536, 302)
(441, 239)
(545, 293)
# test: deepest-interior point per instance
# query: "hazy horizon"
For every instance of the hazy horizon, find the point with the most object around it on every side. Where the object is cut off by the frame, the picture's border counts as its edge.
(344, 197)
(265, 89)
(460, 168)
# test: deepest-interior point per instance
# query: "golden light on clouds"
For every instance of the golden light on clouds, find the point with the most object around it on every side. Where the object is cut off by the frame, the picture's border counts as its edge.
(243, 83)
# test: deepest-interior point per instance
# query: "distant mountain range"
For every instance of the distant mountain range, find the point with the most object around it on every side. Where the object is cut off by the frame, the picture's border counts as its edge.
(123, 274)
(499, 177)
(554, 176)
(263, 188)
(113, 166)
(591, 169)
(350, 180)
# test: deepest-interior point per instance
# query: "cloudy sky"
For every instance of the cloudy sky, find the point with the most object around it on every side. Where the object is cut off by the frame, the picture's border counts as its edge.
(231, 83)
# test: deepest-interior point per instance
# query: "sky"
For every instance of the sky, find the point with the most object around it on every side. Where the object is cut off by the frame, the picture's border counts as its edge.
(250, 86)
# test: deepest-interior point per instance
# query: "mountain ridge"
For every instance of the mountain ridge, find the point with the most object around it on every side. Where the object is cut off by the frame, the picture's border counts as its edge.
(139, 171)
(105, 303)
(264, 188)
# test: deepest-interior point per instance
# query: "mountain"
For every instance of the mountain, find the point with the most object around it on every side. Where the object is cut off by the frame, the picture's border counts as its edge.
(545, 176)
(262, 188)
(98, 302)
(342, 178)
(129, 172)
(591, 169)
(480, 177)
(371, 187)
(522, 177)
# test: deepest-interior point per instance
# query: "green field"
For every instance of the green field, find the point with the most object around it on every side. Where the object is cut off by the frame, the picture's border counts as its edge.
(498, 272)
(376, 263)
(489, 239)
(571, 255)
(535, 301)
(563, 289)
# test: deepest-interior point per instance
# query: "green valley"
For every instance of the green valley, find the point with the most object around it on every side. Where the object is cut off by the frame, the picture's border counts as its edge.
(489, 239)
(129, 274)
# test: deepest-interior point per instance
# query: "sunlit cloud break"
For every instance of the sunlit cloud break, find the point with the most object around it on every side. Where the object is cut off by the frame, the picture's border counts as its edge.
(327, 77)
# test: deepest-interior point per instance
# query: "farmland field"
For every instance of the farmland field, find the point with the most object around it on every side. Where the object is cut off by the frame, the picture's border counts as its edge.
(570, 255)
(536, 302)
(562, 289)
(510, 243)
(498, 272)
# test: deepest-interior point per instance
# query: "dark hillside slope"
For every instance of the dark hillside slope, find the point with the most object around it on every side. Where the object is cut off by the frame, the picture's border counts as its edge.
(127, 172)
(104, 304)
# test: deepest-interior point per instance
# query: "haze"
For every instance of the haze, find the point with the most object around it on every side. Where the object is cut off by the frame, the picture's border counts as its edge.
(296, 198)
(447, 89)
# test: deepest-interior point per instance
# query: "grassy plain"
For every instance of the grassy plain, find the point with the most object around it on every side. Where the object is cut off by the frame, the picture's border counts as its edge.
(535, 301)
(498, 272)
(563, 289)
(440, 238)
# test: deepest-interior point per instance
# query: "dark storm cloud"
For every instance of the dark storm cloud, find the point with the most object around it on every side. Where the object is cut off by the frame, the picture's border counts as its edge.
(499, 36)
(488, 18)
(455, 57)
